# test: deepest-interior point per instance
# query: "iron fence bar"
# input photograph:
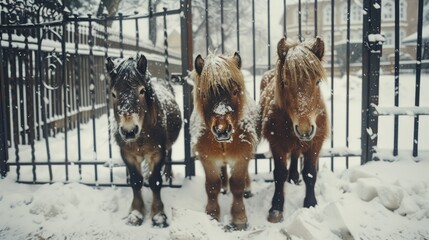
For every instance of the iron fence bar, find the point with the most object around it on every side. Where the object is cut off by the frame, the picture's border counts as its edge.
(20, 98)
(121, 36)
(299, 21)
(30, 101)
(284, 18)
(77, 92)
(315, 18)
(348, 81)
(41, 88)
(137, 37)
(106, 48)
(99, 184)
(166, 65)
(3, 115)
(207, 27)
(371, 52)
(14, 94)
(396, 76)
(269, 35)
(254, 49)
(332, 79)
(37, 98)
(222, 33)
(254, 66)
(186, 42)
(30, 25)
(238, 24)
(65, 89)
(92, 91)
(418, 76)
(121, 16)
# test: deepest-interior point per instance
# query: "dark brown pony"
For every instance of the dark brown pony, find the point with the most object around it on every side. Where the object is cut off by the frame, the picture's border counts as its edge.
(294, 118)
(148, 123)
(224, 131)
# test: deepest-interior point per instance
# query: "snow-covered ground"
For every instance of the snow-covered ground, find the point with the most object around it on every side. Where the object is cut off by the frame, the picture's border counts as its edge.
(379, 200)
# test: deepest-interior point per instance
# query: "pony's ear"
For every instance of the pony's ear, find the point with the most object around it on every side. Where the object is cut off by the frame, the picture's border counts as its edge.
(109, 65)
(317, 46)
(142, 64)
(237, 59)
(199, 64)
(282, 48)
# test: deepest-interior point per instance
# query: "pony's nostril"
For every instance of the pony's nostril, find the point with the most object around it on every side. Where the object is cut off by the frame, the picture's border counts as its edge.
(222, 133)
(129, 134)
(312, 130)
(297, 129)
(305, 135)
(229, 128)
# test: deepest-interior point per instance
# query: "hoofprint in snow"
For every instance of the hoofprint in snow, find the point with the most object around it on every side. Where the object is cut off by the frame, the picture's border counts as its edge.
(379, 200)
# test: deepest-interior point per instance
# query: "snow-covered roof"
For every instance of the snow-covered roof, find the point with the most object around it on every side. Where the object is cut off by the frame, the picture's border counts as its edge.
(412, 39)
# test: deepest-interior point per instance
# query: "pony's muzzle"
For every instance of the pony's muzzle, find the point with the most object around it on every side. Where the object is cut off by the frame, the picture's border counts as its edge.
(222, 132)
(129, 133)
(306, 134)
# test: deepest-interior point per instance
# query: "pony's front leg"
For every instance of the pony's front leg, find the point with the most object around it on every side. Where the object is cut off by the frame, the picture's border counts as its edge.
(224, 179)
(159, 219)
(309, 174)
(280, 173)
(248, 188)
(136, 215)
(293, 169)
(237, 184)
(213, 186)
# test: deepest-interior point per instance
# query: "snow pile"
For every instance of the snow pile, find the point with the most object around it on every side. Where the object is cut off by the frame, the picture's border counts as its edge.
(379, 200)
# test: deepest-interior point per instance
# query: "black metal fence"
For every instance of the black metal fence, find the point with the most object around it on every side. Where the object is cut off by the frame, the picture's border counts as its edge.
(53, 85)
(52, 76)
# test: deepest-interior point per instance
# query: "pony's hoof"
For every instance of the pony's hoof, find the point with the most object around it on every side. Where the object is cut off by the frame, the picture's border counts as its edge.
(310, 202)
(275, 216)
(295, 181)
(160, 220)
(248, 194)
(294, 178)
(135, 218)
(235, 227)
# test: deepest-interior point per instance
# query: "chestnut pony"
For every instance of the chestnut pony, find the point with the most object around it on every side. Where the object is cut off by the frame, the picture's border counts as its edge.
(294, 117)
(224, 131)
(148, 123)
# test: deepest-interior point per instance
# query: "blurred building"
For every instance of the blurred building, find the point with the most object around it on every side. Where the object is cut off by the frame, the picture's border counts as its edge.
(407, 25)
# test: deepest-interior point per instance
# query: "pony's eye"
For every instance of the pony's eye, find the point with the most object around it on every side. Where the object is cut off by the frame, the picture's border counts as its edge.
(142, 91)
(318, 81)
(113, 95)
(236, 91)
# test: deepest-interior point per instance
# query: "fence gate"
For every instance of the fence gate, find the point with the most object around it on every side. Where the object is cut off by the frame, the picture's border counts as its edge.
(54, 100)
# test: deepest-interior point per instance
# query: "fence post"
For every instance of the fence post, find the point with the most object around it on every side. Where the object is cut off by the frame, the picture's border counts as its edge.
(186, 42)
(4, 168)
(371, 52)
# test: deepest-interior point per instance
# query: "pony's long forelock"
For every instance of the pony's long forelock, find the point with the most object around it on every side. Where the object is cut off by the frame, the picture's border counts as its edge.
(218, 71)
(299, 66)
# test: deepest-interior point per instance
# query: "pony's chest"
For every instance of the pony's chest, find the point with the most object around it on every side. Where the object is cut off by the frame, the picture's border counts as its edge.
(276, 123)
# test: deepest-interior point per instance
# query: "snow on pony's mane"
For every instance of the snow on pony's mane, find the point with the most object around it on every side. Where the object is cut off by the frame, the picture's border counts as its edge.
(218, 71)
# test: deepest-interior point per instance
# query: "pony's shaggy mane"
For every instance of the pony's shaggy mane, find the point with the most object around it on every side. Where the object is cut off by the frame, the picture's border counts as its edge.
(299, 66)
(218, 71)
